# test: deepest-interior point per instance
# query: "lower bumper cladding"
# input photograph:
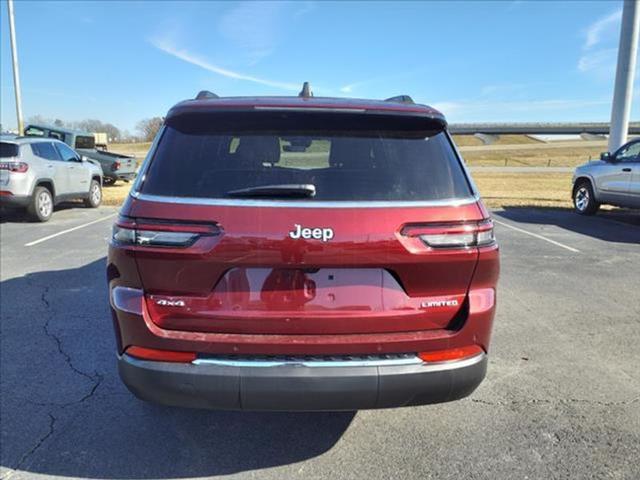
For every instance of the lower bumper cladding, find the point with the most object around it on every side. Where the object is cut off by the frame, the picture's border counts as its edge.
(302, 383)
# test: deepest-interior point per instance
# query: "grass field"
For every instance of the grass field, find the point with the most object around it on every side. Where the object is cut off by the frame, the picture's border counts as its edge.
(497, 189)
(472, 141)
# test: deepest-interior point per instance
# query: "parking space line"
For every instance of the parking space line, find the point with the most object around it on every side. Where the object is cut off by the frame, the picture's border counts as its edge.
(535, 235)
(49, 237)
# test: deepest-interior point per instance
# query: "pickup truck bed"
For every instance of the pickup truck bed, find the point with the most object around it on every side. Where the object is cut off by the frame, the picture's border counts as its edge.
(115, 166)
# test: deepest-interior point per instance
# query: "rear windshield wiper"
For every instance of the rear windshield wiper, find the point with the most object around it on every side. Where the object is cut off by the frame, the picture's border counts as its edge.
(278, 190)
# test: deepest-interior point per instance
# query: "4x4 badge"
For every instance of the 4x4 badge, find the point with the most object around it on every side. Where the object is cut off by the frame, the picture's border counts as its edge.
(170, 303)
(324, 234)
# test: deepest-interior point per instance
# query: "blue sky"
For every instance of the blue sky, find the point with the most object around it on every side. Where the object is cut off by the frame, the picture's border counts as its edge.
(476, 61)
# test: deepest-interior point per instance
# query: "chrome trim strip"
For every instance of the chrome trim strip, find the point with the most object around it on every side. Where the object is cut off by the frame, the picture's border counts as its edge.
(235, 202)
(302, 362)
(378, 362)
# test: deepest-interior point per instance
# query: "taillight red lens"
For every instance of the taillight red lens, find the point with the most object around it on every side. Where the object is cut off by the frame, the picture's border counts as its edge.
(115, 166)
(158, 355)
(453, 235)
(451, 354)
(151, 233)
(15, 167)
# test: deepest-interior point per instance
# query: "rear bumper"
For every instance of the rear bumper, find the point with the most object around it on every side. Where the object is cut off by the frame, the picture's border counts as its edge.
(14, 200)
(122, 175)
(286, 387)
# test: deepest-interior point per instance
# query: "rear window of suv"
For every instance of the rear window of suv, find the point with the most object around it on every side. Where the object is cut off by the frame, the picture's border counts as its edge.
(345, 157)
(8, 150)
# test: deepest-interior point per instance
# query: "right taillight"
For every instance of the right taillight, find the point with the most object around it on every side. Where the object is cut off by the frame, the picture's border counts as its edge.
(15, 167)
(149, 233)
(453, 235)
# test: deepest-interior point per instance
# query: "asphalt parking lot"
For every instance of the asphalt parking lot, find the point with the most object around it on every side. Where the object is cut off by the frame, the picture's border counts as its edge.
(561, 399)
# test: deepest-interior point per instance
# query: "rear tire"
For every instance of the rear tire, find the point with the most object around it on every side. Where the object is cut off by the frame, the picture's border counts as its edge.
(41, 207)
(584, 201)
(95, 195)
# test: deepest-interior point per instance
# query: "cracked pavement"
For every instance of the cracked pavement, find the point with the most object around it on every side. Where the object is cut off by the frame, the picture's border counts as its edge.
(561, 399)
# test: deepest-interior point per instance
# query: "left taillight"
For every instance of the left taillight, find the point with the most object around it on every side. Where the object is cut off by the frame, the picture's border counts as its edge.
(150, 233)
(15, 167)
(453, 235)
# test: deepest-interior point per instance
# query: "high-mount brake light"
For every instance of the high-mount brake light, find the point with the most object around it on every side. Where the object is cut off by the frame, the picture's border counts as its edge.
(453, 235)
(146, 233)
(15, 167)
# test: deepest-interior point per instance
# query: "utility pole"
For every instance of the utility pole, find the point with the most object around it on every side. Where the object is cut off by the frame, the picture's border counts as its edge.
(625, 73)
(16, 71)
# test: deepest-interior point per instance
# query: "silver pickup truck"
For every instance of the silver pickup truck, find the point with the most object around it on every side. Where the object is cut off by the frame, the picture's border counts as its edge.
(612, 180)
(115, 166)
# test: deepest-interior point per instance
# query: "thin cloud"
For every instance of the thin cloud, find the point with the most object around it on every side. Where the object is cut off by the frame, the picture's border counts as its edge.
(595, 32)
(599, 53)
(195, 59)
(350, 87)
(253, 28)
(603, 60)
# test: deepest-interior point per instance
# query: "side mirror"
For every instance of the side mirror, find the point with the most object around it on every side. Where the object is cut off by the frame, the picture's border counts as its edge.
(606, 157)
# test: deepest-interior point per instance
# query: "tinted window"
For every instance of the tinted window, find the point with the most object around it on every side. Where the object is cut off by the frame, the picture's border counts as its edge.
(85, 142)
(34, 132)
(45, 150)
(65, 152)
(8, 150)
(56, 135)
(353, 163)
(629, 153)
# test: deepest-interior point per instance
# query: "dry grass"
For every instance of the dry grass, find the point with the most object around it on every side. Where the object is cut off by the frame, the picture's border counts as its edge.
(115, 195)
(524, 189)
(472, 141)
(138, 150)
(548, 157)
(497, 189)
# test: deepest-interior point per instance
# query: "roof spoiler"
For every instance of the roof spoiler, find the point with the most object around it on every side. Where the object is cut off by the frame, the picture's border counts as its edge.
(400, 99)
(205, 94)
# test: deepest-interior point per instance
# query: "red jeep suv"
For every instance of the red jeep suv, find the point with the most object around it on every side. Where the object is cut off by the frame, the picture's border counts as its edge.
(302, 253)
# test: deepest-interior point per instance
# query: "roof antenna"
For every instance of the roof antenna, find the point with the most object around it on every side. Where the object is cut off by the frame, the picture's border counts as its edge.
(204, 94)
(306, 91)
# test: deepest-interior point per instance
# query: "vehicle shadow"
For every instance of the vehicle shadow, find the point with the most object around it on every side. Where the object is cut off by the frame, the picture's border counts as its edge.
(19, 215)
(64, 411)
(614, 225)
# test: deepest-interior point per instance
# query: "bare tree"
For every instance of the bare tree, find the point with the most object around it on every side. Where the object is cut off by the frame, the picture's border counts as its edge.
(98, 126)
(149, 127)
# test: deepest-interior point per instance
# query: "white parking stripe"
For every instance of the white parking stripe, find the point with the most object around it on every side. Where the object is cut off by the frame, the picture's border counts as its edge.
(49, 237)
(526, 232)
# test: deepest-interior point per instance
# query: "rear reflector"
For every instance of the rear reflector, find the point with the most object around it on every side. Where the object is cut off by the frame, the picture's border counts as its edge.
(128, 300)
(451, 354)
(5, 193)
(157, 355)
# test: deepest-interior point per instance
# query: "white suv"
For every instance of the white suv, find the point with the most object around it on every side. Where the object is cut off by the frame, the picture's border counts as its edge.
(38, 173)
